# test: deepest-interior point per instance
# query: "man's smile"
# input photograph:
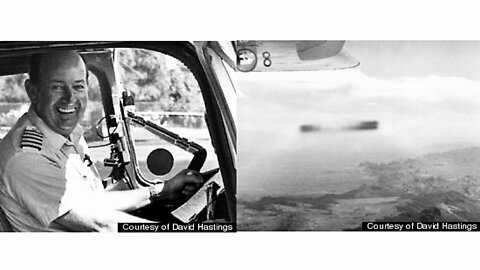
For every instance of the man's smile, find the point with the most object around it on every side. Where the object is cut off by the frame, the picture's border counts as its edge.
(67, 110)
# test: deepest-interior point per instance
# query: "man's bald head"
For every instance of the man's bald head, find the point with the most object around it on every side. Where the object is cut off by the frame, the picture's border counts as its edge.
(42, 61)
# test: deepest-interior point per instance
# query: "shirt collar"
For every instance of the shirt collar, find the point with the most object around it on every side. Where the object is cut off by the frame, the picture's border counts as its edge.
(51, 137)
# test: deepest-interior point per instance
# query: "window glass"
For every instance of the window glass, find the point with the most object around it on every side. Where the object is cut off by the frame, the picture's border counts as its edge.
(14, 101)
(226, 76)
(166, 93)
(94, 113)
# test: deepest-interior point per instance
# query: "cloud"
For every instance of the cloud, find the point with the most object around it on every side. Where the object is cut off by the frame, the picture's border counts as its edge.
(425, 107)
(354, 89)
(429, 89)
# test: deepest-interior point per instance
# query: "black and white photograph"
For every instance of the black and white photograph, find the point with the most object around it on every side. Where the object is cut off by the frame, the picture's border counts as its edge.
(99, 134)
(336, 133)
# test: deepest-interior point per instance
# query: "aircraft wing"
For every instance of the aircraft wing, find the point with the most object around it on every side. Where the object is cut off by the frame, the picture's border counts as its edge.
(257, 55)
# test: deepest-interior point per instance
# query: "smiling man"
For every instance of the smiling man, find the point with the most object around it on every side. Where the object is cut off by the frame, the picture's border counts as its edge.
(45, 185)
(63, 76)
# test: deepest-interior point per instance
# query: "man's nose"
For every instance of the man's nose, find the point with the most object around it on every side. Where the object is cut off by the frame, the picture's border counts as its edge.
(68, 93)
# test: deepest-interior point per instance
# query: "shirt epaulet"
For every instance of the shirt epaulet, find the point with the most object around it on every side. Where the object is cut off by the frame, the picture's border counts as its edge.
(32, 139)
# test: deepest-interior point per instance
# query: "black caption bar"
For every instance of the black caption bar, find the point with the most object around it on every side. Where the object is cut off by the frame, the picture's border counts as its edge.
(176, 227)
(420, 226)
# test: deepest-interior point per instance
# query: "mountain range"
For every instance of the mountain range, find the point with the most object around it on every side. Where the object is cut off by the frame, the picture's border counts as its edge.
(435, 187)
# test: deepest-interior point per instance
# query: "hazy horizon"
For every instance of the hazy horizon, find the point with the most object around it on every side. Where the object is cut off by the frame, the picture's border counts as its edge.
(423, 109)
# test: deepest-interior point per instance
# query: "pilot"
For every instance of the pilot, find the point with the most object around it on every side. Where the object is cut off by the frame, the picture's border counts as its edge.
(45, 183)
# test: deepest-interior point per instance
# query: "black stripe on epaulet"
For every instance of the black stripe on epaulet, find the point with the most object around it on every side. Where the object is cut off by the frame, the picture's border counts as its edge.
(32, 139)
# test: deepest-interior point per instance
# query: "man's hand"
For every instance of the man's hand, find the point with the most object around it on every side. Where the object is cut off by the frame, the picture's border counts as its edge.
(181, 187)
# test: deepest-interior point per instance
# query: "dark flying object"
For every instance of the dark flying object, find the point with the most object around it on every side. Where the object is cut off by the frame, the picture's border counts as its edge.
(362, 126)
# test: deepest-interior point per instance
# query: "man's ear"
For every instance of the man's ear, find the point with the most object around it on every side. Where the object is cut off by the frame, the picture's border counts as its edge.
(32, 91)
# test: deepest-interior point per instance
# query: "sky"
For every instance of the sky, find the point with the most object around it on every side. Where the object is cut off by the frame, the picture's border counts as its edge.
(424, 95)
(437, 71)
(430, 84)
(393, 59)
